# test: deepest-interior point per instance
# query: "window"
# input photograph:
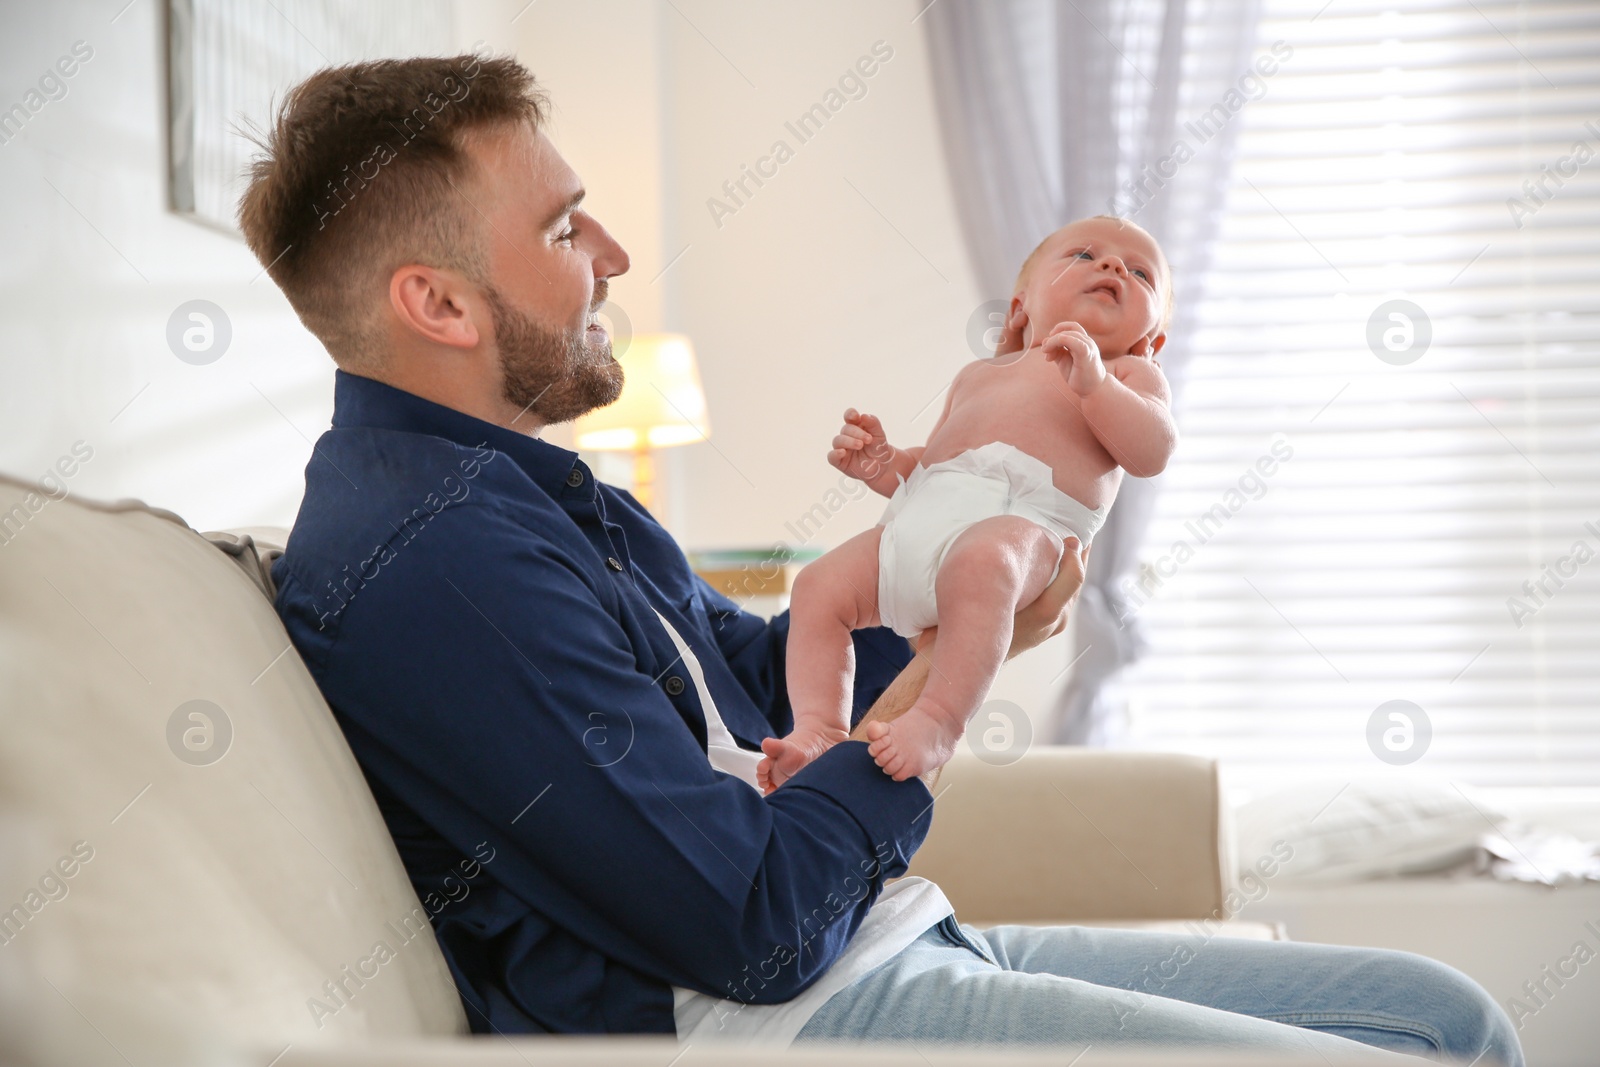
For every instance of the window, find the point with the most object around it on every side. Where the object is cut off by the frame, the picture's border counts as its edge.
(1388, 486)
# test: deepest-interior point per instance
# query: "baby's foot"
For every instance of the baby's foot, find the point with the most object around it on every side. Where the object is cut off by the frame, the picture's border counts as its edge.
(785, 756)
(913, 744)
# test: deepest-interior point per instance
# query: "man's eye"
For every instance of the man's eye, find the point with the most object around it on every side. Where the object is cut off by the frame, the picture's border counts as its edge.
(569, 235)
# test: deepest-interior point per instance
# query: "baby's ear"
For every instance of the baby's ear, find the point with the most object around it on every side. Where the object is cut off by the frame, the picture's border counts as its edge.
(1013, 338)
(1146, 346)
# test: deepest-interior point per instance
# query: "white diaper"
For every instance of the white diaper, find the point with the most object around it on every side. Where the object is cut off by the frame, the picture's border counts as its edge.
(933, 506)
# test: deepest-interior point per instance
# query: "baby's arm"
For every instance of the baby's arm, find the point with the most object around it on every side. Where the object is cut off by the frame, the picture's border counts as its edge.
(1127, 402)
(1131, 415)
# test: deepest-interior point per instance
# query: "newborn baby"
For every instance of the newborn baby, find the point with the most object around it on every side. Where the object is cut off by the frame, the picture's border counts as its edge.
(1027, 454)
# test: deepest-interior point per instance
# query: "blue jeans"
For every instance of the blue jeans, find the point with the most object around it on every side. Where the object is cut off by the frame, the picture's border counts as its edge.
(1077, 986)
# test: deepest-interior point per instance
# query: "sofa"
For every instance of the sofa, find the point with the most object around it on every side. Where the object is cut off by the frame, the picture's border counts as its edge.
(193, 870)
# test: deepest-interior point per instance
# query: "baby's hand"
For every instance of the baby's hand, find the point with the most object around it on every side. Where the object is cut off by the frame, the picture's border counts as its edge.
(1080, 364)
(861, 449)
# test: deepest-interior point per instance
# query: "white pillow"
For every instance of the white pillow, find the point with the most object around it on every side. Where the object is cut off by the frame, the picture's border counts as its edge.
(1343, 830)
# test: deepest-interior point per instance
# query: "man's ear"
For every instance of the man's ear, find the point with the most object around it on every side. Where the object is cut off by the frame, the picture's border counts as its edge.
(1014, 335)
(436, 305)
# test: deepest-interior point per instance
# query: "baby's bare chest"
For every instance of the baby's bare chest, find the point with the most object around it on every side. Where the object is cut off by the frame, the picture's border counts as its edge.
(1026, 404)
(994, 394)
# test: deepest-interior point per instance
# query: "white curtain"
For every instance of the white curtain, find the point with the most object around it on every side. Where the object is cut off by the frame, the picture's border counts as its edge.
(1052, 111)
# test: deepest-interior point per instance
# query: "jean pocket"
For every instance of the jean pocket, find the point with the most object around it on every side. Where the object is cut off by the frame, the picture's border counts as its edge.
(951, 931)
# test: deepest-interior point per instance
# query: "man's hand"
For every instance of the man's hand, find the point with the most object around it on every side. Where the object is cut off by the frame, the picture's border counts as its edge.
(1038, 622)
(1075, 352)
(1047, 615)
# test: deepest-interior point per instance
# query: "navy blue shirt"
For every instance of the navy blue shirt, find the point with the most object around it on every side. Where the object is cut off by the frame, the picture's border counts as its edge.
(480, 613)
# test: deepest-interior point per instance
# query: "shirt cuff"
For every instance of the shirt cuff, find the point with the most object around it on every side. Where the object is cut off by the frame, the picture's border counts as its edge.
(895, 816)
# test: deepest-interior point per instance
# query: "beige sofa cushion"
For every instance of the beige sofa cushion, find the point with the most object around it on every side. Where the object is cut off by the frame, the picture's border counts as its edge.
(159, 877)
(1070, 835)
(1242, 929)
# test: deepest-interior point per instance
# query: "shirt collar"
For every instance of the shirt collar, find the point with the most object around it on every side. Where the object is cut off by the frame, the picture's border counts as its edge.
(359, 401)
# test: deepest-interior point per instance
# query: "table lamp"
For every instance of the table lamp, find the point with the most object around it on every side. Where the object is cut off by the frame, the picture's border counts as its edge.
(661, 405)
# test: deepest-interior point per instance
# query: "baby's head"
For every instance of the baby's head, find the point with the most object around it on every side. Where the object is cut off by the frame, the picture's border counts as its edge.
(1104, 273)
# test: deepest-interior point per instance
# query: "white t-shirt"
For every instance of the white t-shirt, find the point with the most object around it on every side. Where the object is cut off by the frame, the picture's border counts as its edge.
(902, 913)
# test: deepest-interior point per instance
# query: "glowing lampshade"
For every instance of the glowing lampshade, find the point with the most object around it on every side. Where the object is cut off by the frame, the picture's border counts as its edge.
(662, 404)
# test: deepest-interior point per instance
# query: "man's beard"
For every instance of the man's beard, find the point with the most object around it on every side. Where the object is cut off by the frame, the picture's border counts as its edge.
(547, 373)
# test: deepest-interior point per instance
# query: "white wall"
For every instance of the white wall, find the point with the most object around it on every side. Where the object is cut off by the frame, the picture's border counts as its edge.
(92, 265)
(842, 281)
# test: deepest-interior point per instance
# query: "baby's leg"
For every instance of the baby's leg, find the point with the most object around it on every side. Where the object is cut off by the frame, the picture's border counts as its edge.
(993, 568)
(832, 596)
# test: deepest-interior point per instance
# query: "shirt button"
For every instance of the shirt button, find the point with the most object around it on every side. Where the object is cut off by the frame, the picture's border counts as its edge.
(614, 563)
(575, 477)
(674, 685)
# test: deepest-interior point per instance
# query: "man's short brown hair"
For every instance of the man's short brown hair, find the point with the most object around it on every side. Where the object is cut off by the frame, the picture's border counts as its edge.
(360, 174)
(1027, 264)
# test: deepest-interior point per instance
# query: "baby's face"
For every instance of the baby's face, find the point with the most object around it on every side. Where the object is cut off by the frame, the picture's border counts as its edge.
(1107, 276)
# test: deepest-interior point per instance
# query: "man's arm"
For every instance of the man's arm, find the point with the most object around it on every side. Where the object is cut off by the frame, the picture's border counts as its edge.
(1036, 623)
(511, 707)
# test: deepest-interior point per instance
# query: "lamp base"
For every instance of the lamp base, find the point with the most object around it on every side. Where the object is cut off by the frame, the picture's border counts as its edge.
(644, 476)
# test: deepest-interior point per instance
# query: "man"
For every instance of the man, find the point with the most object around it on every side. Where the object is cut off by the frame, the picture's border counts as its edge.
(560, 722)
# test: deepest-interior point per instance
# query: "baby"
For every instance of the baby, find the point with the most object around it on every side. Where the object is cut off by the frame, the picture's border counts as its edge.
(1028, 453)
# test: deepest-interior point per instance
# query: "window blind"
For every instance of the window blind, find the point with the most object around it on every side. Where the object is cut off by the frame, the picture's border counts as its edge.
(1378, 502)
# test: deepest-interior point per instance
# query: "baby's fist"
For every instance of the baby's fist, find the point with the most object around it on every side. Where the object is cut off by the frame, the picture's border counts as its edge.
(860, 449)
(1078, 356)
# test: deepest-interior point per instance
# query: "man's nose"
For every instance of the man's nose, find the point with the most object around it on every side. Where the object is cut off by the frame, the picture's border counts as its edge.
(611, 259)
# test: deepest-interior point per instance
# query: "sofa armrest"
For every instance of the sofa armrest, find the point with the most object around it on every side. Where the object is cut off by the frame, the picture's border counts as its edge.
(1070, 834)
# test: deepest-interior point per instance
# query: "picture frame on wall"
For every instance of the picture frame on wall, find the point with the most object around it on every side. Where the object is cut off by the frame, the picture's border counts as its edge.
(231, 62)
